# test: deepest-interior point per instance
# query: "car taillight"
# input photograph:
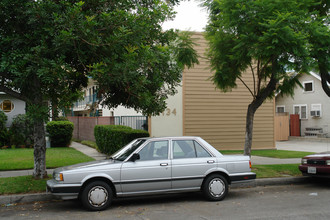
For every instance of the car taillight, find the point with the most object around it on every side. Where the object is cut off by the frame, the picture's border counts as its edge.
(250, 164)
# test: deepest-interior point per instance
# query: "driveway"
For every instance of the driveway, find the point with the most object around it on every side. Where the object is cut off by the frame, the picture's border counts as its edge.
(302, 145)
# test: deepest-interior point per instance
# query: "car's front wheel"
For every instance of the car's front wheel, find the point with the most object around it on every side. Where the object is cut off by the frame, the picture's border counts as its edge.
(96, 196)
(215, 187)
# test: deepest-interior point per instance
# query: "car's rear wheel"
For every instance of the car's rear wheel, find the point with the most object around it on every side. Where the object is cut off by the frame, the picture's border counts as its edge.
(96, 196)
(215, 187)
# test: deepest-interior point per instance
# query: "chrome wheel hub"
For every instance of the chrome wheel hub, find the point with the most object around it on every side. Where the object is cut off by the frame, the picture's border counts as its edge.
(216, 187)
(98, 196)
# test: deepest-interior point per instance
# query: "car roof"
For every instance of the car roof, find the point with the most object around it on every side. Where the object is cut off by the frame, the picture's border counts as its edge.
(171, 137)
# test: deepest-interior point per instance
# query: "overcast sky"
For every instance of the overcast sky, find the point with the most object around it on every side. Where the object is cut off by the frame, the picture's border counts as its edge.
(189, 16)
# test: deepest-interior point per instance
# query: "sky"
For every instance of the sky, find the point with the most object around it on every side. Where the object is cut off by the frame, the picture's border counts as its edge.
(189, 16)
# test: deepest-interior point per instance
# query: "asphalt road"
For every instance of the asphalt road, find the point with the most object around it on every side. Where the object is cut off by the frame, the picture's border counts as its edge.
(304, 201)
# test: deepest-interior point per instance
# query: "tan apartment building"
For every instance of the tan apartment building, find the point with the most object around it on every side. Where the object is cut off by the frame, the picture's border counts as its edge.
(199, 109)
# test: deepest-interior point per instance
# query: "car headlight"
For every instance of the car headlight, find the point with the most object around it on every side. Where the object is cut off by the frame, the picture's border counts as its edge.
(58, 176)
(303, 161)
(328, 162)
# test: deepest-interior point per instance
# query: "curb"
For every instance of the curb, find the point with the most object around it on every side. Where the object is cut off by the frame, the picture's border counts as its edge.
(272, 182)
(25, 198)
(29, 198)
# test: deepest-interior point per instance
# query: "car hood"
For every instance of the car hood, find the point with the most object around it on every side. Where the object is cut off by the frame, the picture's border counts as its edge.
(88, 165)
(323, 155)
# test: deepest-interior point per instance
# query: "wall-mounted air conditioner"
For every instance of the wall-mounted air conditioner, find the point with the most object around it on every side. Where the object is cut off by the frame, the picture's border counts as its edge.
(316, 113)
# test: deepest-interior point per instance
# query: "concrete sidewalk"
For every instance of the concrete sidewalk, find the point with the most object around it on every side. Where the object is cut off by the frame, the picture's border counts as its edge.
(256, 160)
(89, 151)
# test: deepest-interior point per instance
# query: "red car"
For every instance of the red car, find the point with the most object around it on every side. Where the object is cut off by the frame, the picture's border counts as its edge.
(317, 165)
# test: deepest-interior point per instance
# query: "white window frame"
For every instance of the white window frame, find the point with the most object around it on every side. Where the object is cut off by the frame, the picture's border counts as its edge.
(280, 106)
(305, 82)
(301, 105)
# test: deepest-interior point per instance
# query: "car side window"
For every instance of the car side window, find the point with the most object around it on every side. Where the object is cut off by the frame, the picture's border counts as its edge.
(200, 151)
(188, 149)
(155, 150)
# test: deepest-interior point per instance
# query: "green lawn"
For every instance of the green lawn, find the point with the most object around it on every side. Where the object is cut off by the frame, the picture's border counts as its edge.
(20, 159)
(282, 154)
(276, 170)
(21, 184)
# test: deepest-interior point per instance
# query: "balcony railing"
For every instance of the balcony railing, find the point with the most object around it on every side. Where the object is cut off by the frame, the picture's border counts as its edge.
(87, 100)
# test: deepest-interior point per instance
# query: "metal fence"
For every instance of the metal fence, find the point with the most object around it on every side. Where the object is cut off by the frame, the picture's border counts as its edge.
(84, 126)
(135, 122)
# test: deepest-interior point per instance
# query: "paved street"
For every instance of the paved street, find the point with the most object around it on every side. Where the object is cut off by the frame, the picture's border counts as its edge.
(304, 201)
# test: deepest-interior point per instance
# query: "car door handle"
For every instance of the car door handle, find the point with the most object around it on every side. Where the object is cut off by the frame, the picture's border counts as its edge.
(210, 161)
(164, 164)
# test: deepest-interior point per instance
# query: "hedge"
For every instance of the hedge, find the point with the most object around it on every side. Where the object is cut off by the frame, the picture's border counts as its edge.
(110, 138)
(60, 133)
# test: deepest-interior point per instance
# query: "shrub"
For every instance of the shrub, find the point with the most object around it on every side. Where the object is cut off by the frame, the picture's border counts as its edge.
(4, 137)
(60, 133)
(61, 118)
(21, 131)
(110, 138)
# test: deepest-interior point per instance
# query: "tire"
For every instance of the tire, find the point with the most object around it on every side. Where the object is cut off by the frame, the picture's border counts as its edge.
(96, 196)
(215, 187)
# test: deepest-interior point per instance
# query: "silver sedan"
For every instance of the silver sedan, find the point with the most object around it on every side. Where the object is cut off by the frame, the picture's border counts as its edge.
(152, 166)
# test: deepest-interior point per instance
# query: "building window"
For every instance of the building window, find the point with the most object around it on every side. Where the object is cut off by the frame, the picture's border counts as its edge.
(7, 106)
(316, 110)
(301, 110)
(308, 86)
(280, 109)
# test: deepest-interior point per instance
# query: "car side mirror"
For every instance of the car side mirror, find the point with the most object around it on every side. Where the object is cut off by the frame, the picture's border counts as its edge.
(135, 157)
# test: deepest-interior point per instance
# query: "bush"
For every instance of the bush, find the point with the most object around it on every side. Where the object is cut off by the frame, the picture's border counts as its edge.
(61, 118)
(60, 133)
(110, 138)
(4, 136)
(21, 131)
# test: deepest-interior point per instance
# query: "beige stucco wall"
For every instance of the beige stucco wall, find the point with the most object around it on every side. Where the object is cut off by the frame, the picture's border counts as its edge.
(220, 117)
(169, 123)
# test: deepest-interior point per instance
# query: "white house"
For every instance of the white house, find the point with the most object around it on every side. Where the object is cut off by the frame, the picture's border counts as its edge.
(11, 107)
(312, 105)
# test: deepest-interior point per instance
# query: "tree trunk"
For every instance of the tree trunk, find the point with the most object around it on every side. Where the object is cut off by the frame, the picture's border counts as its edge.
(255, 104)
(39, 171)
(325, 79)
(249, 129)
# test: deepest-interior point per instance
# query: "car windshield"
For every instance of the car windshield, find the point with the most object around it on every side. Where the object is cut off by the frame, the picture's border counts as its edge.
(123, 153)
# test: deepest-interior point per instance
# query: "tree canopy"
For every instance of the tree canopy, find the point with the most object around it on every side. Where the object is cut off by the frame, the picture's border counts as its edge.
(277, 40)
(50, 48)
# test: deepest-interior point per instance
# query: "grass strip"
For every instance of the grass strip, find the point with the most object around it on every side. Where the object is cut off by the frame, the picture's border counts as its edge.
(91, 144)
(21, 159)
(22, 184)
(276, 170)
(281, 154)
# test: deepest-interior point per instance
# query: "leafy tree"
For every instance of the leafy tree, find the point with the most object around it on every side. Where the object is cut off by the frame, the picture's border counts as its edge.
(269, 37)
(319, 36)
(50, 48)
(21, 131)
(3, 129)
